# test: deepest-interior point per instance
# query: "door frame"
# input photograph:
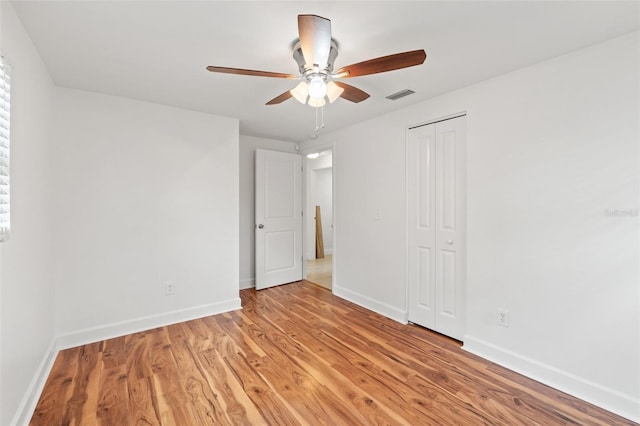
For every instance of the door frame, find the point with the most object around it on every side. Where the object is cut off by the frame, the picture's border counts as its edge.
(435, 120)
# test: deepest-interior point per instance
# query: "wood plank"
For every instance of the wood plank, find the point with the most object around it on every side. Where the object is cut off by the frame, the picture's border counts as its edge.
(113, 397)
(58, 389)
(143, 402)
(81, 405)
(203, 400)
(319, 236)
(137, 358)
(272, 408)
(295, 354)
(114, 352)
(237, 404)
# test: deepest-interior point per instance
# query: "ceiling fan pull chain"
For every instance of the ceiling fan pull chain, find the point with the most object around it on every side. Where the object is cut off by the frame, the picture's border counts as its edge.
(321, 118)
(321, 125)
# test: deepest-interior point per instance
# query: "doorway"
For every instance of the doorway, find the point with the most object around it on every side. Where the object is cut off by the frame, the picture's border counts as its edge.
(319, 223)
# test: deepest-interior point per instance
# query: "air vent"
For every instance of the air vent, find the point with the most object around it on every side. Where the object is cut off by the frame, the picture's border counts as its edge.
(400, 94)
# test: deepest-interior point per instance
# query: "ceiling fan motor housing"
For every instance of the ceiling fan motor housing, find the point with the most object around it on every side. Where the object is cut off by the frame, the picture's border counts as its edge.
(316, 71)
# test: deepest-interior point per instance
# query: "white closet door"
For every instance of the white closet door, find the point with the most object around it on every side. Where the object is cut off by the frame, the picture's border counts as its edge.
(422, 235)
(437, 234)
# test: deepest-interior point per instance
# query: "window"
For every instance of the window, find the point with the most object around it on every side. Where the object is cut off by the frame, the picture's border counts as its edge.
(5, 89)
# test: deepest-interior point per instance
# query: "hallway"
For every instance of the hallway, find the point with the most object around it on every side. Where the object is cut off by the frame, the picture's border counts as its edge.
(319, 271)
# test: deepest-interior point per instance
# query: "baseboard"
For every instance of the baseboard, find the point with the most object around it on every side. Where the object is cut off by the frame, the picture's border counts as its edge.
(248, 283)
(96, 334)
(371, 304)
(623, 405)
(32, 395)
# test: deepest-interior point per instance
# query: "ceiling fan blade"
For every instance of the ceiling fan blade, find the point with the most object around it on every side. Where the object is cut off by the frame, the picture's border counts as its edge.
(280, 98)
(315, 39)
(241, 71)
(351, 93)
(384, 64)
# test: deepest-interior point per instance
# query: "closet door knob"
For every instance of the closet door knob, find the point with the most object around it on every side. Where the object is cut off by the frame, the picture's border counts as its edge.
(260, 226)
(450, 242)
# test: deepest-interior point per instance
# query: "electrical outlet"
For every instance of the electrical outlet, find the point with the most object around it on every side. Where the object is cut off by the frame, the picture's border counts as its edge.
(169, 288)
(503, 317)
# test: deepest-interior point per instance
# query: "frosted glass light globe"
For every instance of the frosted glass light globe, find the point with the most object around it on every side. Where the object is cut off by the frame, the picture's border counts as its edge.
(317, 88)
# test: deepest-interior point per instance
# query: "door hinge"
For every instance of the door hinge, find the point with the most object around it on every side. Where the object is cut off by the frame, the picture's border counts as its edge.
(302, 213)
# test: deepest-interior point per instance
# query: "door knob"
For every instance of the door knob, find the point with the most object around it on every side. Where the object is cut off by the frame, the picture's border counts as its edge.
(260, 226)
(449, 242)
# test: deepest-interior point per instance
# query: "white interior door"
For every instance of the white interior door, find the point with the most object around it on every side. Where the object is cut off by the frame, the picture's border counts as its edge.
(278, 218)
(437, 226)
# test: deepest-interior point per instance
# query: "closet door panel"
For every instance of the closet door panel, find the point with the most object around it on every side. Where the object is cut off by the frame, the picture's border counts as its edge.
(436, 172)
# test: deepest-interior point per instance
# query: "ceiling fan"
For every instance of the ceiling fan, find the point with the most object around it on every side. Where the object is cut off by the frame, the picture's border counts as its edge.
(315, 51)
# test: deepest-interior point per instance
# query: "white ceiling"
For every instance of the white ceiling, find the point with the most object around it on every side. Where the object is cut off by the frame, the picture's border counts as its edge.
(157, 51)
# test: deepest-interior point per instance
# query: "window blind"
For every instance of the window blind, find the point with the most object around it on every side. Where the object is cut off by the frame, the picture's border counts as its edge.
(5, 99)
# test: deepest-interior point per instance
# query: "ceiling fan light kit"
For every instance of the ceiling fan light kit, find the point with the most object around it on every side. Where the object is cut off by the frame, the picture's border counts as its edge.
(316, 102)
(333, 91)
(301, 92)
(316, 92)
(317, 87)
(315, 53)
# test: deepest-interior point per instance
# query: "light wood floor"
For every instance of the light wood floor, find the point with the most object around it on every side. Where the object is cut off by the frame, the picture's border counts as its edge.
(319, 271)
(295, 354)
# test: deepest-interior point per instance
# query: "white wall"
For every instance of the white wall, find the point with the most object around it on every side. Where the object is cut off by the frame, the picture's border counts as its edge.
(368, 175)
(146, 194)
(109, 201)
(26, 290)
(248, 146)
(550, 149)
